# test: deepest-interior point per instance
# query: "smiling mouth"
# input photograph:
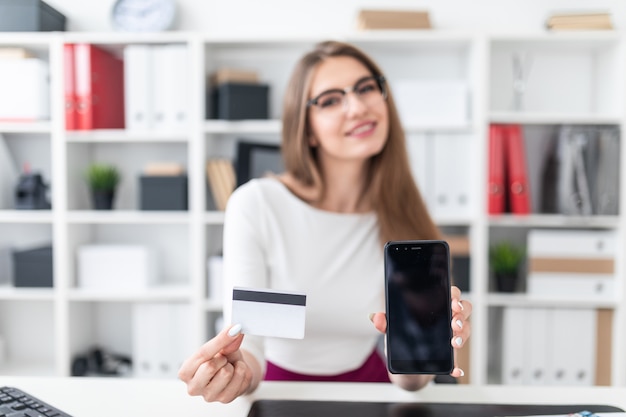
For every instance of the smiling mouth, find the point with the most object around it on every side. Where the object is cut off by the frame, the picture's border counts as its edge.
(363, 129)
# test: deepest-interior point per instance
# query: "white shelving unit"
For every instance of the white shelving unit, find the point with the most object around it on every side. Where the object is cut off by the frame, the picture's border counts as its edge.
(575, 78)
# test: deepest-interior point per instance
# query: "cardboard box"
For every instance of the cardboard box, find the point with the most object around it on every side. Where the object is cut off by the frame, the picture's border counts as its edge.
(33, 267)
(235, 101)
(30, 16)
(115, 267)
(163, 192)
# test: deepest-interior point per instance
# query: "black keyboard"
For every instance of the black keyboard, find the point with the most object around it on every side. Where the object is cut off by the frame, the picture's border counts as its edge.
(17, 403)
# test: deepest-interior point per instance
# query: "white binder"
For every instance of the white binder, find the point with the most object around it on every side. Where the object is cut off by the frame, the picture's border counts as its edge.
(138, 87)
(419, 148)
(573, 347)
(538, 345)
(514, 349)
(451, 176)
(171, 88)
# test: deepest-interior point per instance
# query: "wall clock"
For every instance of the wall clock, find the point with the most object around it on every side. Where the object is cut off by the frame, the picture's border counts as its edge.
(143, 15)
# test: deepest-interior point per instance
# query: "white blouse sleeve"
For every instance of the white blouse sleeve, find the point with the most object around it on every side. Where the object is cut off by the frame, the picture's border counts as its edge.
(244, 249)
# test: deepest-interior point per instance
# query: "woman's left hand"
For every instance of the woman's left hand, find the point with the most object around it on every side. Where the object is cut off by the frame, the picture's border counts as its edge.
(461, 327)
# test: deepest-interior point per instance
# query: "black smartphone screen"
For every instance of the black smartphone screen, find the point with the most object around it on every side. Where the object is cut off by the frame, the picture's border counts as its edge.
(417, 278)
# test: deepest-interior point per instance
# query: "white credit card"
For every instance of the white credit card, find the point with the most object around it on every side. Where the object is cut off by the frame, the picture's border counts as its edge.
(272, 313)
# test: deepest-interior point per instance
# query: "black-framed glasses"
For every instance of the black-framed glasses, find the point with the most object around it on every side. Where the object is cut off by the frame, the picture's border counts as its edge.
(369, 90)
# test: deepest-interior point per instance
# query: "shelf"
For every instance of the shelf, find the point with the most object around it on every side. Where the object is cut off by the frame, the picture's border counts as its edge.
(214, 217)
(531, 118)
(163, 293)
(128, 217)
(25, 216)
(413, 128)
(76, 317)
(554, 220)
(525, 300)
(124, 136)
(26, 294)
(213, 306)
(242, 127)
(29, 127)
(27, 368)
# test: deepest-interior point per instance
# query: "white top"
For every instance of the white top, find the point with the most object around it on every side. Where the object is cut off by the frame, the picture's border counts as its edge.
(272, 239)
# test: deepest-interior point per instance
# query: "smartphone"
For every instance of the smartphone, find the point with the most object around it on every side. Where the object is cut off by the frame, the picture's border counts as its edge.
(419, 314)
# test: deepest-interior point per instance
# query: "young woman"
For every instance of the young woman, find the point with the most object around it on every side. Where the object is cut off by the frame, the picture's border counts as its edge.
(319, 228)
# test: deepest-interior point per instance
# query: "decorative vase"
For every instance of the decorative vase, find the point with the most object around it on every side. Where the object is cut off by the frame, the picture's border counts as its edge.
(506, 282)
(102, 199)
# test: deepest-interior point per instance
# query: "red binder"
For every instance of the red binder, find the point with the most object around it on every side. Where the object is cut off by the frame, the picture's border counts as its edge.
(69, 87)
(99, 77)
(495, 189)
(519, 193)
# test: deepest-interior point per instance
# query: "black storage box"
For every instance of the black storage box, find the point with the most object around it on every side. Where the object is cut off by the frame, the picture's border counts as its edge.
(163, 192)
(29, 16)
(33, 267)
(236, 101)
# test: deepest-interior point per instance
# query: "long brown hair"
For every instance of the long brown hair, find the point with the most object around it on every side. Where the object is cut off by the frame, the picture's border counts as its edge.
(390, 187)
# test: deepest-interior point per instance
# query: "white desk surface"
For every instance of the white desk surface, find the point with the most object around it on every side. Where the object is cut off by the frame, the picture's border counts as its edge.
(106, 397)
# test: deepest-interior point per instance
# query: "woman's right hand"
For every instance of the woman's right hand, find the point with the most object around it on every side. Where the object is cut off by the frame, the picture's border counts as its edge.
(217, 371)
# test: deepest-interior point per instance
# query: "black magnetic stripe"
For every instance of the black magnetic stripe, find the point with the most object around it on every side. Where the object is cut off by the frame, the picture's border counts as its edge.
(269, 297)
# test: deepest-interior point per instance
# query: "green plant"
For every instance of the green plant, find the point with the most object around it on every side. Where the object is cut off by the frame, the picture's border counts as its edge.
(103, 177)
(506, 258)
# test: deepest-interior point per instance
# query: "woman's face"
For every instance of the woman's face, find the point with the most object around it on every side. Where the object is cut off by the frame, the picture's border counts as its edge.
(351, 127)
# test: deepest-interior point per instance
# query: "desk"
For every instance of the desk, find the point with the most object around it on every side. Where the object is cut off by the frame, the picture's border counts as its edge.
(106, 397)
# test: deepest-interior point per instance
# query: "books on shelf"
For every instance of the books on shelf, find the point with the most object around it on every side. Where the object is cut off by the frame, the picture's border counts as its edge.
(222, 181)
(393, 19)
(508, 186)
(580, 21)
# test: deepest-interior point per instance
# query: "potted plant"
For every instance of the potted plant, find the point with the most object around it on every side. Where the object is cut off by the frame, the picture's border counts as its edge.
(505, 259)
(103, 180)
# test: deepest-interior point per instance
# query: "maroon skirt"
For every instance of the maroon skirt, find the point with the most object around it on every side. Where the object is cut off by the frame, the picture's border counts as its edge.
(373, 370)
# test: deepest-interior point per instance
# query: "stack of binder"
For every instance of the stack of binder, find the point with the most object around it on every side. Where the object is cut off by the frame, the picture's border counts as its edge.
(94, 88)
(156, 87)
(508, 186)
(533, 352)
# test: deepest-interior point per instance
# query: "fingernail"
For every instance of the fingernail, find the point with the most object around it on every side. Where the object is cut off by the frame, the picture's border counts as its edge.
(460, 305)
(462, 373)
(459, 323)
(371, 317)
(458, 341)
(235, 330)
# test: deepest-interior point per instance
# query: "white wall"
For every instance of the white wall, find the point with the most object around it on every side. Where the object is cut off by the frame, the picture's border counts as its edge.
(327, 17)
